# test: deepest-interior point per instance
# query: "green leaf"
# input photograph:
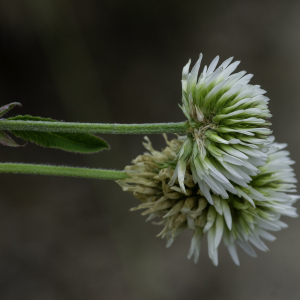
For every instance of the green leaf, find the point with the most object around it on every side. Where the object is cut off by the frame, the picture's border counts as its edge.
(6, 140)
(5, 108)
(73, 142)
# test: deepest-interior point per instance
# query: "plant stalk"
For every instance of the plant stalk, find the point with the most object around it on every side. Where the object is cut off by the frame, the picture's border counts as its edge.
(35, 169)
(73, 127)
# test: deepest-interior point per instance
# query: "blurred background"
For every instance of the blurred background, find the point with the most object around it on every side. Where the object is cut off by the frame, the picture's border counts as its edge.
(120, 62)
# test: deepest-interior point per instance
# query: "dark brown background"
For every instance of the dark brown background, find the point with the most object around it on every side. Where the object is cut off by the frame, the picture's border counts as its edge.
(121, 61)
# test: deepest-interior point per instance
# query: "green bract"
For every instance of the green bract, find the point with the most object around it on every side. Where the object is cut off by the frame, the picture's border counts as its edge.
(228, 136)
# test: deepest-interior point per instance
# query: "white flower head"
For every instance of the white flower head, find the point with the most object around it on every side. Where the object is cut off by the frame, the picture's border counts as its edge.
(244, 219)
(228, 136)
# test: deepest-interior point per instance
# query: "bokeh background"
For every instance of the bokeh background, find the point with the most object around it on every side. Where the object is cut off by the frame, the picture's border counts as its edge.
(120, 62)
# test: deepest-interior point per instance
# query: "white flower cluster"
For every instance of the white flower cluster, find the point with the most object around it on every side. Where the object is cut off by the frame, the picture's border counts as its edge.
(256, 211)
(226, 179)
(242, 220)
(229, 128)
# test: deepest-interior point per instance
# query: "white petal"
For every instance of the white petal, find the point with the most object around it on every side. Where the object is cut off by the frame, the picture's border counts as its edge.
(211, 217)
(195, 245)
(247, 248)
(225, 64)
(219, 229)
(258, 243)
(213, 65)
(212, 250)
(233, 253)
(227, 213)
(185, 73)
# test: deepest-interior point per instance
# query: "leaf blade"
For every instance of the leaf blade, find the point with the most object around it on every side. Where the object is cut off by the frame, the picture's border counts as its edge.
(6, 140)
(6, 108)
(72, 142)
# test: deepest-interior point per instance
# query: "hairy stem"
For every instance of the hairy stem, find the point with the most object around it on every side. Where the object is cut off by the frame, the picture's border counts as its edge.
(46, 126)
(19, 168)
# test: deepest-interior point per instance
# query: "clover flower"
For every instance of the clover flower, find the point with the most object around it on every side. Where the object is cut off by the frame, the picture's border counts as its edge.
(243, 219)
(228, 134)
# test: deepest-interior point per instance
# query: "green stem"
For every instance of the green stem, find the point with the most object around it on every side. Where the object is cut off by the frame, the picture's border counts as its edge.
(61, 171)
(46, 126)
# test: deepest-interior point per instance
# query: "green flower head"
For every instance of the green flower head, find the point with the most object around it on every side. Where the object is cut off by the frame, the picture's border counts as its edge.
(244, 218)
(228, 135)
